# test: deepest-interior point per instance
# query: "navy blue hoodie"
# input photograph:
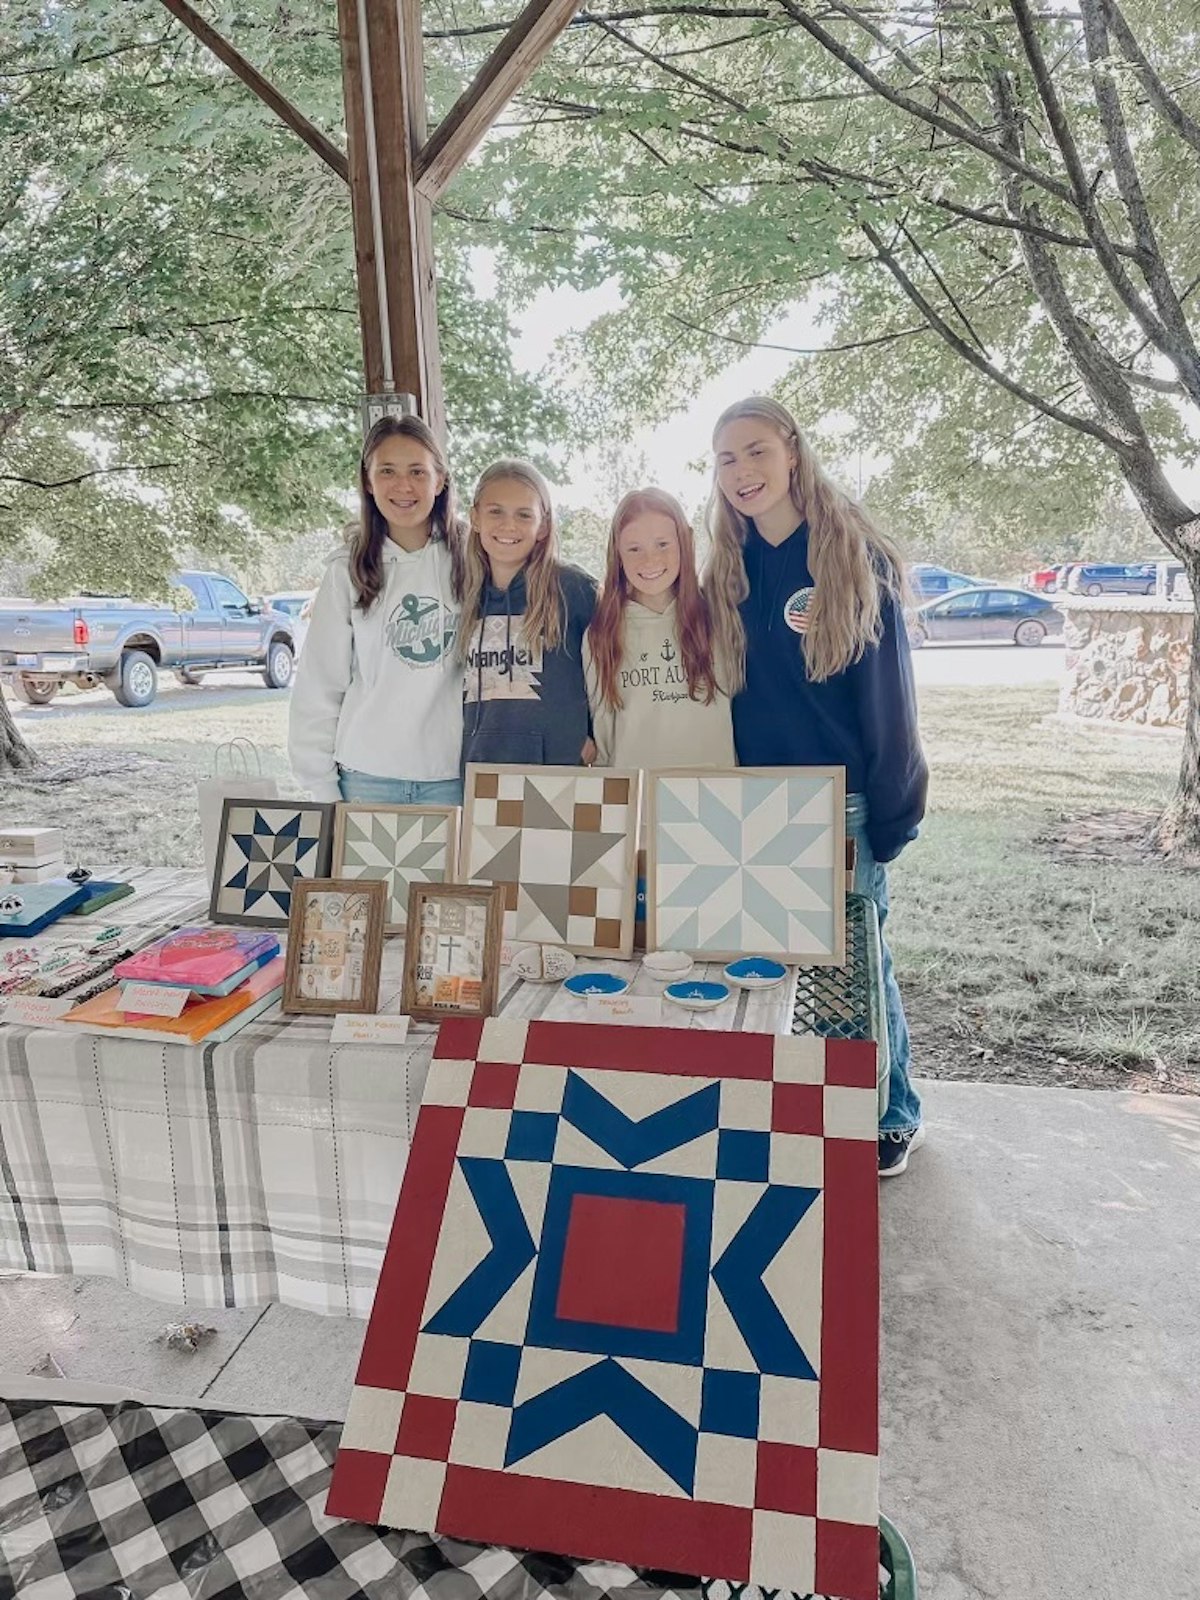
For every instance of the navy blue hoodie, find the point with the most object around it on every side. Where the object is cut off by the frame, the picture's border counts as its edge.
(863, 719)
(523, 704)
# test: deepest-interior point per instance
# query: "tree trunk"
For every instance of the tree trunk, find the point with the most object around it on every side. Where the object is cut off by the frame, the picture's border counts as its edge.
(15, 754)
(1179, 830)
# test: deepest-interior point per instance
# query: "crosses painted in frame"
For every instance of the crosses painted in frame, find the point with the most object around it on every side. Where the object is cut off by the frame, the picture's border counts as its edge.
(452, 951)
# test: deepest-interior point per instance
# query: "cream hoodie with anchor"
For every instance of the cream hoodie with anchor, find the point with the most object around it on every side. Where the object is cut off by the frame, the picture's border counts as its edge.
(380, 692)
(658, 725)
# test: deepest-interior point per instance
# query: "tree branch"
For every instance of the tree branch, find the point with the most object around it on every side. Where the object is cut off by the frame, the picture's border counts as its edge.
(794, 350)
(153, 403)
(1159, 96)
(904, 102)
(1083, 191)
(81, 477)
(1129, 184)
(969, 353)
(716, 13)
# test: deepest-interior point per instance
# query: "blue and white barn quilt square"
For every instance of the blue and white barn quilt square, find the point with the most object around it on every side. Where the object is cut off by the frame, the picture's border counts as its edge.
(263, 847)
(748, 863)
(630, 1305)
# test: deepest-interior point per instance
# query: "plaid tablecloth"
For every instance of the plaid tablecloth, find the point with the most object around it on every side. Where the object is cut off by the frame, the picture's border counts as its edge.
(164, 1503)
(264, 1169)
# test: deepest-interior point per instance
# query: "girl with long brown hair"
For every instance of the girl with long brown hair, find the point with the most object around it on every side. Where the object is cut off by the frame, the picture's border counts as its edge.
(376, 709)
(524, 614)
(648, 657)
(807, 599)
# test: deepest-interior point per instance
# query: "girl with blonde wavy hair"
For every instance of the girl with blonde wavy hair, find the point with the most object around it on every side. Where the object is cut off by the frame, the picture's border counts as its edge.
(524, 615)
(807, 596)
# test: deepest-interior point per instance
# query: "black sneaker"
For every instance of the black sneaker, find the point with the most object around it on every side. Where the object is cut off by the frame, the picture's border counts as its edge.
(895, 1149)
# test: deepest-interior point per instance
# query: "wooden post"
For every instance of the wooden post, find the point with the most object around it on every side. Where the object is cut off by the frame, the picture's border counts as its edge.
(384, 88)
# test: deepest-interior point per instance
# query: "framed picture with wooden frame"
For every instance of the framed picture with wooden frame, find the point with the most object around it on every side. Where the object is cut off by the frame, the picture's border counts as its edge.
(399, 845)
(335, 946)
(452, 950)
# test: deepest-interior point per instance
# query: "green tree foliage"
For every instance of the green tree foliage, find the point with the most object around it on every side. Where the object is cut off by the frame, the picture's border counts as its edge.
(179, 348)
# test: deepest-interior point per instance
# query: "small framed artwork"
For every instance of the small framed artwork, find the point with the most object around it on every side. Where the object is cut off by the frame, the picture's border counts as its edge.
(335, 946)
(399, 845)
(452, 950)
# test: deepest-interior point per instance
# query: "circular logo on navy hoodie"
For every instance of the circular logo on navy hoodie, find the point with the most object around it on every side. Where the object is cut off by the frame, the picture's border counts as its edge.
(795, 610)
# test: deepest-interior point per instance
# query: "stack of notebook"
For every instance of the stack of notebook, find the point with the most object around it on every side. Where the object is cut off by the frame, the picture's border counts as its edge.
(232, 975)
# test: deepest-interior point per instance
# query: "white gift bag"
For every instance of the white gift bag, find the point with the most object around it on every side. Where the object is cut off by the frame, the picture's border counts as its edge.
(237, 774)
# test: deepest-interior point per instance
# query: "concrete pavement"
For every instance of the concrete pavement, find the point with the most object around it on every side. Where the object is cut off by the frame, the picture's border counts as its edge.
(1041, 1410)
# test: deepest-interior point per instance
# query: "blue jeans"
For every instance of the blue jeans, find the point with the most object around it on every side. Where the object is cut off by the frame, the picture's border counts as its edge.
(904, 1107)
(367, 788)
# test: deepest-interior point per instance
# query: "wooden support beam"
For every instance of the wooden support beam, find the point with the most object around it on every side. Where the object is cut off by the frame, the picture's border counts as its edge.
(506, 71)
(384, 86)
(262, 87)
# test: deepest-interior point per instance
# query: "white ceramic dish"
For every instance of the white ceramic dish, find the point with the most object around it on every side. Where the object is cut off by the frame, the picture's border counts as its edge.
(696, 996)
(667, 966)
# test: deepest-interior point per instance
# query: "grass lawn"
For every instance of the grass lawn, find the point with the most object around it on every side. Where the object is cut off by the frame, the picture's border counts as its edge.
(1016, 963)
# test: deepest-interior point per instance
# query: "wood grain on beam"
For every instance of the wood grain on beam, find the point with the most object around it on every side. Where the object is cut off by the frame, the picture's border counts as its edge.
(265, 90)
(424, 269)
(370, 314)
(506, 71)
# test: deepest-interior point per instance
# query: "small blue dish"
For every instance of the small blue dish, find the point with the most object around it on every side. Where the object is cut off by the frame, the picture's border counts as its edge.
(756, 972)
(697, 996)
(585, 983)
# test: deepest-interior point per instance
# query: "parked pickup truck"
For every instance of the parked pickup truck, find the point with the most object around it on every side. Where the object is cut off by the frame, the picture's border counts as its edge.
(94, 639)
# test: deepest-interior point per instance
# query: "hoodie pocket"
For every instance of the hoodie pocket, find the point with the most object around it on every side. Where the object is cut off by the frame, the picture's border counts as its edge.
(518, 749)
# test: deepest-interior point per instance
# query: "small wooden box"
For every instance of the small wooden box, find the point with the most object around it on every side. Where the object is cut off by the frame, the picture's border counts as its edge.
(42, 873)
(30, 847)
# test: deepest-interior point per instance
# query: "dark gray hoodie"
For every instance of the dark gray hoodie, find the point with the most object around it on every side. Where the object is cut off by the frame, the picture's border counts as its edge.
(524, 704)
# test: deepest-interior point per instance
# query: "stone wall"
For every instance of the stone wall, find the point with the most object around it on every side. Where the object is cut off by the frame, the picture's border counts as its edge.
(1127, 659)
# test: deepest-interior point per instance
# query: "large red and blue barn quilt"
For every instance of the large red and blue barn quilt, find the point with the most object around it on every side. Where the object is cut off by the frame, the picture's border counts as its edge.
(630, 1306)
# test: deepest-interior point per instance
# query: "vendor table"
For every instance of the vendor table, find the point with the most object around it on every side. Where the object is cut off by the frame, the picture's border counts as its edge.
(266, 1168)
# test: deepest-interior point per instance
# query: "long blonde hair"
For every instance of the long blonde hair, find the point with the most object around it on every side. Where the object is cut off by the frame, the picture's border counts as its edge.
(850, 559)
(606, 631)
(543, 620)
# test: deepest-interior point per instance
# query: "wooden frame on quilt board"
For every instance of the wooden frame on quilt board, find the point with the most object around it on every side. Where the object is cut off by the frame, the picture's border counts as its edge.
(373, 892)
(536, 928)
(491, 897)
(398, 887)
(834, 955)
(273, 914)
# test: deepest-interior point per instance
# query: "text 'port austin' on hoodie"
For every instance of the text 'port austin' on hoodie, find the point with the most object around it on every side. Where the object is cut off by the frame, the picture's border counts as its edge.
(380, 691)
(525, 704)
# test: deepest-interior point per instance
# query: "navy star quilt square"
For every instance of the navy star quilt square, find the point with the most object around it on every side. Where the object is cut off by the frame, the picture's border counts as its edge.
(262, 848)
(630, 1306)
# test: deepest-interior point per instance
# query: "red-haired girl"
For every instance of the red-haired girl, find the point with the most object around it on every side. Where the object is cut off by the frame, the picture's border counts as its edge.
(652, 682)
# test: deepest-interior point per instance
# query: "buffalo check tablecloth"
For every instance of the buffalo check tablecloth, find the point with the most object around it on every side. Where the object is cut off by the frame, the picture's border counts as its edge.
(167, 1503)
(264, 1169)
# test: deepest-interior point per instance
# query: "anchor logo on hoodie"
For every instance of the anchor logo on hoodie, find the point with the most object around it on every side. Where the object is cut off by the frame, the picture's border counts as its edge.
(420, 630)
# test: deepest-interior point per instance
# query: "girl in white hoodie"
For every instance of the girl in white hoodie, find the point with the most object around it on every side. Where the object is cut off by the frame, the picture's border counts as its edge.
(377, 704)
(652, 682)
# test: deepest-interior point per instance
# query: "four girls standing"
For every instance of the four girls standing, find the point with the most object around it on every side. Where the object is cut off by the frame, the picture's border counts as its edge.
(432, 645)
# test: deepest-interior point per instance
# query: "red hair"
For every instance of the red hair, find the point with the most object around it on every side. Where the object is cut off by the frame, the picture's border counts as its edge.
(606, 632)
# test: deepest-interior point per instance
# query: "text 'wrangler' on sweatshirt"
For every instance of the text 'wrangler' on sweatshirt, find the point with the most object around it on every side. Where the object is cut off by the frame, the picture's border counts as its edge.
(863, 719)
(380, 691)
(658, 723)
(526, 704)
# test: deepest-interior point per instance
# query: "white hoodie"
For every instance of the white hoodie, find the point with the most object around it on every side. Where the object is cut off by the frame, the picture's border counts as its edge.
(380, 692)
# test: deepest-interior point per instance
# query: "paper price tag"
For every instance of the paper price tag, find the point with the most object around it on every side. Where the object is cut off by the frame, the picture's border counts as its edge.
(34, 1010)
(154, 999)
(349, 1028)
(632, 1010)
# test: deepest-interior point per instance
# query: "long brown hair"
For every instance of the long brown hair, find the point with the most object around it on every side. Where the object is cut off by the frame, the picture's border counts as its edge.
(850, 558)
(543, 620)
(371, 532)
(606, 632)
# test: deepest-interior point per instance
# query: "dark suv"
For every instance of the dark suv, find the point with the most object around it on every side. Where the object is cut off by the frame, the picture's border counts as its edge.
(1113, 578)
